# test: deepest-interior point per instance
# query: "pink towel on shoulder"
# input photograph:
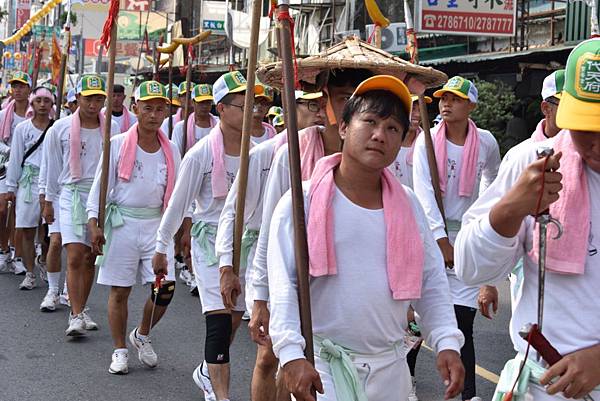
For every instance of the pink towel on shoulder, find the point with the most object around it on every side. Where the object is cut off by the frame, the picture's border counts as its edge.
(404, 247)
(127, 159)
(7, 122)
(191, 129)
(311, 150)
(468, 164)
(567, 255)
(271, 131)
(218, 177)
(75, 144)
(539, 135)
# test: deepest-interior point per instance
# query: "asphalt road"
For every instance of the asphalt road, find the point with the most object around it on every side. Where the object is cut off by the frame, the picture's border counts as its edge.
(37, 362)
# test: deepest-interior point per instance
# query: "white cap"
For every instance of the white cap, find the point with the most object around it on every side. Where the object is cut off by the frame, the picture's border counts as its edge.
(553, 84)
(71, 95)
(231, 82)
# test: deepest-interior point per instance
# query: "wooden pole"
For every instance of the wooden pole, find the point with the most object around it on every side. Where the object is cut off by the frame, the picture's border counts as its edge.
(37, 50)
(170, 95)
(156, 55)
(63, 68)
(377, 36)
(112, 51)
(188, 94)
(300, 241)
(242, 174)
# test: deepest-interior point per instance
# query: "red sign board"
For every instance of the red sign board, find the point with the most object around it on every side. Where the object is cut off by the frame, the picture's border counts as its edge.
(124, 48)
(137, 5)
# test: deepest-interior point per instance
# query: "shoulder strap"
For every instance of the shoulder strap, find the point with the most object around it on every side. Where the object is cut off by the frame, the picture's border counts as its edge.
(37, 144)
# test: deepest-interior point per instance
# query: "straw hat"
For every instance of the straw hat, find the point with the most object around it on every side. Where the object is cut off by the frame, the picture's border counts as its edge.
(352, 53)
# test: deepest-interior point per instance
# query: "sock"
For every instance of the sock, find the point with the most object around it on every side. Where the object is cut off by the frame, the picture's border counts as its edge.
(121, 351)
(53, 280)
(140, 336)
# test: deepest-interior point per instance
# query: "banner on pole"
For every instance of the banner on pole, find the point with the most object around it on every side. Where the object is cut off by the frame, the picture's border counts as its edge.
(466, 17)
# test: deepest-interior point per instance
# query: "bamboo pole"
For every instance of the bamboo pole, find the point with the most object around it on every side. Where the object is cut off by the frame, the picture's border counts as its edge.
(300, 241)
(112, 50)
(246, 132)
(170, 95)
(188, 94)
(63, 68)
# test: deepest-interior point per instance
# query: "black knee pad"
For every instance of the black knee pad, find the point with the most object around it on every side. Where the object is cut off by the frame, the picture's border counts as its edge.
(218, 336)
(164, 295)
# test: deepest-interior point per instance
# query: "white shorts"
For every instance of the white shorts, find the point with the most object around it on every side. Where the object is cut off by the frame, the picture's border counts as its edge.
(27, 213)
(384, 377)
(249, 298)
(66, 226)
(128, 260)
(55, 227)
(208, 281)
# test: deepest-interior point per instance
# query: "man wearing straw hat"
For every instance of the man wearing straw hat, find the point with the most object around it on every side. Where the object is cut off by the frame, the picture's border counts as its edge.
(141, 176)
(23, 172)
(207, 172)
(200, 122)
(13, 114)
(467, 162)
(362, 282)
(73, 149)
(310, 113)
(500, 228)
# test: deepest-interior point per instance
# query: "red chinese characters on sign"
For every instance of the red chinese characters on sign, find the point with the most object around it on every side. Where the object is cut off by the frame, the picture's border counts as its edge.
(467, 17)
(23, 12)
(124, 48)
(137, 5)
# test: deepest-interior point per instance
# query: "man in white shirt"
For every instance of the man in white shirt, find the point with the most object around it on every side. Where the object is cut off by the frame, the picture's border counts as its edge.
(73, 148)
(141, 175)
(467, 162)
(13, 114)
(500, 228)
(200, 122)
(310, 108)
(207, 172)
(261, 131)
(22, 176)
(123, 117)
(361, 281)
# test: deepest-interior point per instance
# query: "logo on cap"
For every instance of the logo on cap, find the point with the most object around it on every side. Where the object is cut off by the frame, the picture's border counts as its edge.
(238, 78)
(94, 83)
(588, 76)
(154, 88)
(455, 83)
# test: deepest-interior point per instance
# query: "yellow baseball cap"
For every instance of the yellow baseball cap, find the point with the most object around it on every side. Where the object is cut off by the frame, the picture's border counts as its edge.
(461, 87)
(416, 98)
(149, 90)
(579, 107)
(202, 92)
(89, 85)
(386, 83)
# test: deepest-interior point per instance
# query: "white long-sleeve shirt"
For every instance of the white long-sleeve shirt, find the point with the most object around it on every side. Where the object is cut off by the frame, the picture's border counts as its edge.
(17, 119)
(571, 305)
(58, 153)
(355, 308)
(24, 137)
(259, 165)
(119, 119)
(194, 184)
(147, 185)
(177, 138)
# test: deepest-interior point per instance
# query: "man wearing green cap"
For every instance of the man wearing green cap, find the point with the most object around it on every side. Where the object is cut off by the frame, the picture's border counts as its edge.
(207, 172)
(259, 164)
(500, 228)
(273, 112)
(13, 114)
(141, 176)
(200, 122)
(73, 147)
(467, 162)
(173, 110)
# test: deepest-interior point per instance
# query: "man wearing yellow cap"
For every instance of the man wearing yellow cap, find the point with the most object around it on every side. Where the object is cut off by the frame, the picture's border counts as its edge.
(467, 162)
(361, 281)
(500, 228)
(259, 164)
(73, 149)
(200, 122)
(13, 114)
(174, 108)
(263, 99)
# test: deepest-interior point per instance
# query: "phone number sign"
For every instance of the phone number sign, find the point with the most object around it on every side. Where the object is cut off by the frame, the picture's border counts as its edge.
(467, 17)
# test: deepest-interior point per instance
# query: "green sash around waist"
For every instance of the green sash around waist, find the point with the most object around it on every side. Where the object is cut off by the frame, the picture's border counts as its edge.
(28, 175)
(249, 238)
(201, 232)
(78, 215)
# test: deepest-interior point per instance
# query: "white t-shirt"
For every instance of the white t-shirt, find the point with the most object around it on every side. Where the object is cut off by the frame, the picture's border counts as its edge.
(199, 133)
(401, 169)
(24, 137)
(260, 139)
(17, 119)
(354, 308)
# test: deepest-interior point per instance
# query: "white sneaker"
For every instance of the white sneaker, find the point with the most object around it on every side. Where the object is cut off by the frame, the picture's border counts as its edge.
(5, 265)
(476, 399)
(64, 299)
(118, 366)
(42, 268)
(89, 323)
(146, 353)
(28, 282)
(50, 301)
(246, 316)
(185, 275)
(412, 396)
(202, 380)
(76, 326)
(19, 266)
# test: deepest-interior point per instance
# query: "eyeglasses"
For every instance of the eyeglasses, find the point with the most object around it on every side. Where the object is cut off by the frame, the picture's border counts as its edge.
(312, 106)
(240, 106)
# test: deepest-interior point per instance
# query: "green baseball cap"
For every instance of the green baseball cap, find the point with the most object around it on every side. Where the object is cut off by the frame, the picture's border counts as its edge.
(275, 111)
(262, 90)
(89, 85)
(278, 121)
(149, 90)
(459, 86)
(202, 92)
(20, 76)
(579, 107)
(231, 82)
(183, 87)
(175, 96)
